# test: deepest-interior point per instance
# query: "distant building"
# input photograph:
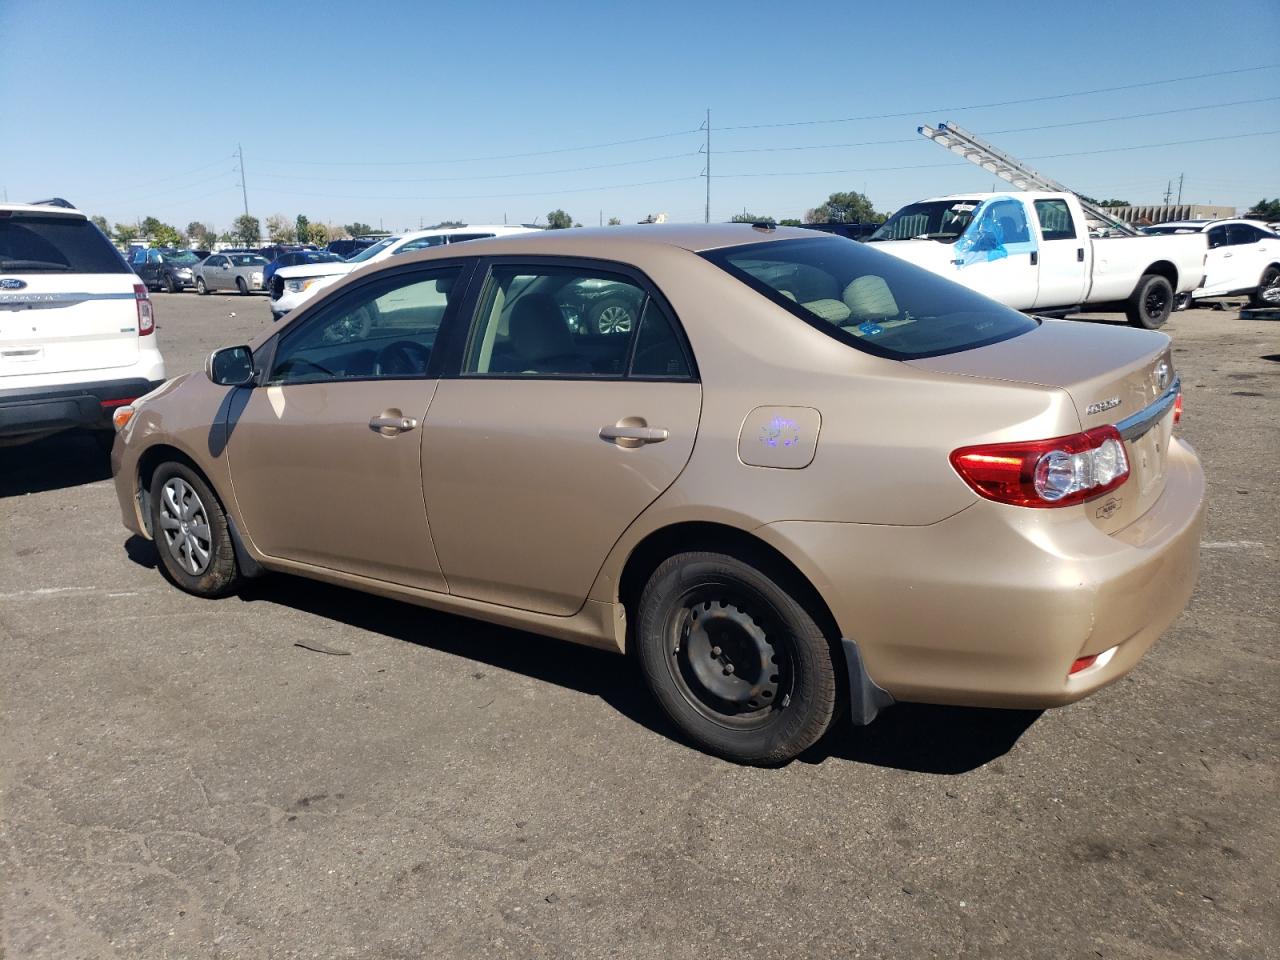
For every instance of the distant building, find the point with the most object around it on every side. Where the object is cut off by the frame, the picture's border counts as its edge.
(1163, 213)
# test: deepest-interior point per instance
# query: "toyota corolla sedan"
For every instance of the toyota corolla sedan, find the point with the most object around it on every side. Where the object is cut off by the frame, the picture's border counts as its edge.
(809, 478)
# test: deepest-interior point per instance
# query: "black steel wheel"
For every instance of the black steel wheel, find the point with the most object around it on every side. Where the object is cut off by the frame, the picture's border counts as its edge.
(1151, 303)
(734, 659)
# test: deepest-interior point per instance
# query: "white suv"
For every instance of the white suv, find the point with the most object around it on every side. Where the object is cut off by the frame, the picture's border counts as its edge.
(292, 286)
(1243, 258)
(77, 333)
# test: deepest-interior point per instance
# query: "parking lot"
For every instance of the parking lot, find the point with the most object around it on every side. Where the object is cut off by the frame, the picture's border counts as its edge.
(180, 778)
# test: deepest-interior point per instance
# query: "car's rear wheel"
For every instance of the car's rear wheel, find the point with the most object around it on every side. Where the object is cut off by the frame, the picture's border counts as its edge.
(734, 659)
(243, 286)
(612, 316)
(200, 286)
(191, 532)
(1270, 281)
(1151, 303)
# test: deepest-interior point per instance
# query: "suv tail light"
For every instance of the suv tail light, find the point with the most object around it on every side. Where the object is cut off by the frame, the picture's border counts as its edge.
(146, 319)
(1046, 473)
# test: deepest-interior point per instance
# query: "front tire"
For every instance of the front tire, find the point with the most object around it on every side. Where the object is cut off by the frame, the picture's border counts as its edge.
(243, 286)
(201, 288)
(1151, 303)
(191, 532)
(1270, 278)
(737, 663)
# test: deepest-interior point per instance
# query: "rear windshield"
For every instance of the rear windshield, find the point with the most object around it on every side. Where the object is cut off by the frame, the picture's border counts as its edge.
(56, 245)
(869, 299)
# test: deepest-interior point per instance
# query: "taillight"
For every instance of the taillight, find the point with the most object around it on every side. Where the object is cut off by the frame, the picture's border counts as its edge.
(1046, 473)
(1177, 409)
(146, 319)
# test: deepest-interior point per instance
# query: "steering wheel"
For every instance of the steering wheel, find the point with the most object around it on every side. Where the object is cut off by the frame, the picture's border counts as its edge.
(406, 358)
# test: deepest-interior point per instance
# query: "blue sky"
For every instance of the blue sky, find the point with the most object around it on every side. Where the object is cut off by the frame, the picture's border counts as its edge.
(384, 112)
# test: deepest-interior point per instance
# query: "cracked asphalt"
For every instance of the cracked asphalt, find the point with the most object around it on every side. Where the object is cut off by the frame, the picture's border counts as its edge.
(179, 779)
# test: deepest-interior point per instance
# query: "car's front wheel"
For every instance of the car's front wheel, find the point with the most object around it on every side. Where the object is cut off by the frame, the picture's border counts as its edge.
(734, 659)
(1270, 282)
(191, 532)
(200, 286)
(243, 286)
(170, 285)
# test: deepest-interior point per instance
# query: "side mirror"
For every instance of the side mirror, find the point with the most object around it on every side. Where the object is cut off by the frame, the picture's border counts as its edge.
(230, 367)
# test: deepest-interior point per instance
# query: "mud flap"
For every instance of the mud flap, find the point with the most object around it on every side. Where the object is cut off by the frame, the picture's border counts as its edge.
(866, 699)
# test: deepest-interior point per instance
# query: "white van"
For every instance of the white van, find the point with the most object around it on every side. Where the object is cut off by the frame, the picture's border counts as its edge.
(77, 332)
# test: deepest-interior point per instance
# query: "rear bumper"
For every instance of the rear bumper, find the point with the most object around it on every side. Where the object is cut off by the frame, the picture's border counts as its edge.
(43, 410)
(992, 606)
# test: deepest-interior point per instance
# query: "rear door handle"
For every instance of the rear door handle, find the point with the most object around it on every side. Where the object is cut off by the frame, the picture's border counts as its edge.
(1079, 254)
(637, 435)
(392, 422)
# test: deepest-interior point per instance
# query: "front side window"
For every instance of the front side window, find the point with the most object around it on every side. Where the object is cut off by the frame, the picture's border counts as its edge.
(368, 253)
(554, 321)
(1055, 220)
(385, 329)
(422, 243)
(1217, 237)
(868, 300)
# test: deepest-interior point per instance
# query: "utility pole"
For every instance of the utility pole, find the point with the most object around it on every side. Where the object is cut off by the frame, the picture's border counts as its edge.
(706, 217)
(1168, 192)
(1180, 176)
(244, 190)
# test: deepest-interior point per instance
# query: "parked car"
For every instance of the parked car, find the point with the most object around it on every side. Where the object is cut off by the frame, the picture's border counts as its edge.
(275, 250)
(231, 271)
(1032, 251)
(853, 231)
(1243, 258)
(348, 248)
(162, 268)
(293, 286)
(203, 254)
(77, 333)
(294, 258)
(784, 510)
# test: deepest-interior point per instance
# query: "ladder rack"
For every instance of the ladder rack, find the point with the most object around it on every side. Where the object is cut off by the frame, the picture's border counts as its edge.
(979, 152)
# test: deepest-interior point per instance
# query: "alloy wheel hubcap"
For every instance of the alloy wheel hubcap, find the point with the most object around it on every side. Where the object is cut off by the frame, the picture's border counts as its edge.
(185, 526)
(614, 319)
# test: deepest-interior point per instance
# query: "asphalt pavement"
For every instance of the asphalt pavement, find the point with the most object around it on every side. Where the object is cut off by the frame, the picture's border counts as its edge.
(178, 778)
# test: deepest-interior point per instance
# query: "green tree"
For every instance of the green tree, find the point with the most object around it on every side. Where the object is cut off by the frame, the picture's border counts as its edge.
(101, 223)
(750, 218)
(1111, 203)
(166, 236)
(1265, 209)
(446, 225)
(358, 229)
(125, 232)
(848, 207)
(280, 228)
(558, 220)
(791, 223)
(199, 235)
(150, 225)
(615, 222)
(317, 233)
(246, 230)
(302, 228)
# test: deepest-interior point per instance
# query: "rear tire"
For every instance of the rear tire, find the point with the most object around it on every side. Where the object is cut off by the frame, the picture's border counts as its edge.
(201, 288)
(1270, 278)
(1151, 303)
(243, 286)
(191, 532)
(733, 659)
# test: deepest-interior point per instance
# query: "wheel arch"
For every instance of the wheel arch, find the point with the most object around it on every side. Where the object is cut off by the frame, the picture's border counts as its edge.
(149, 461)
(1161, 268)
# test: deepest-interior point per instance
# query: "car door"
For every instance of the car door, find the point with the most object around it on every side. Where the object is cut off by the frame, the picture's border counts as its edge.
(998, 255)
(1221, 274)
(214, 271)
(1251, 252)
(326, 454)
(1063, 270)
(548, 441)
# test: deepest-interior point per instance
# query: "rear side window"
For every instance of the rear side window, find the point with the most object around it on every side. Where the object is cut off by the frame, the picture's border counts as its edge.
(870, 300)
(1240, 233)
(56, 245)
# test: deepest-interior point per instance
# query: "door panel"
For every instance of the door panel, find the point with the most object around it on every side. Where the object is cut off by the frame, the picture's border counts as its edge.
(317, 484)
(1063, 256)
(997, 254)
(526, 499)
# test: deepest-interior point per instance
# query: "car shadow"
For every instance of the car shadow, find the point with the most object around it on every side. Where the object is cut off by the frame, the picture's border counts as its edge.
(69, 459)
(924, 739)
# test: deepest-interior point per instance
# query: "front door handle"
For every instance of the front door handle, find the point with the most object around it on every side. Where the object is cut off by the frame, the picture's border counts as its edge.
(633, 435)
(392, 422)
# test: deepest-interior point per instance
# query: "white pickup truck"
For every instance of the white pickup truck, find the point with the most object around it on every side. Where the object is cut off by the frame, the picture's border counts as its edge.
(1032, 251)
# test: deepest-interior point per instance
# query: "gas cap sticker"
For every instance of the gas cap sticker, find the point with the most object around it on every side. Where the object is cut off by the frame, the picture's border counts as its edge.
(784, 438)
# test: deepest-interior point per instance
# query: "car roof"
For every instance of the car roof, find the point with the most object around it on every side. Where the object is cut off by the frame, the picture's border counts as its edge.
(623, 242)
(42, 208)
(1206, 224)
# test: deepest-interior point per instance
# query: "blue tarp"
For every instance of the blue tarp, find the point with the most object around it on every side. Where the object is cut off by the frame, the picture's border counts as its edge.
(999, 229)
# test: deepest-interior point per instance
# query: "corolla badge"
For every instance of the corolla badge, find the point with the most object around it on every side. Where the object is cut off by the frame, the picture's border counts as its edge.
(1162, 376)
(10, 283)
(1101, 406)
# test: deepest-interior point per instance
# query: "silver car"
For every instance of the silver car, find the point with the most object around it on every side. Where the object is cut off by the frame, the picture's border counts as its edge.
(231, 271)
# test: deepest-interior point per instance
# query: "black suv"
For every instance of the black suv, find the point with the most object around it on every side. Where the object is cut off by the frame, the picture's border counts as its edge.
(348, 248)
(164, 269)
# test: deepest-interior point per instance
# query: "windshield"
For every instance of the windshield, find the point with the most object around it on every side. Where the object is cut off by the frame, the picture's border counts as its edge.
(369, 252)
(183, 258)
(942, 220)
(247, 260)
(869, 300)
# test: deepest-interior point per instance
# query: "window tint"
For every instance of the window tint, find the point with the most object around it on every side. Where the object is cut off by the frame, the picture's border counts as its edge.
(658, 349)
(942, 220)
(554, 322)
(153, 256)
(461, 237)
(385, 329)
(422, 243)
(1217, 237)
(1238, 233)
(868, 300)
(1055, 220)
(56, 245)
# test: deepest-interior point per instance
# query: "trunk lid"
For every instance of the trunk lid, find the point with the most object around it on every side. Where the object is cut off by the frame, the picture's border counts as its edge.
(1112, 374)
(66, 322)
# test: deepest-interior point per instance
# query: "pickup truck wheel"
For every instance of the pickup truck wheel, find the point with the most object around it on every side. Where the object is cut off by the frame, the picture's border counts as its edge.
(734, 659)
(200, 287)
(1151, 303)
(1270, 280)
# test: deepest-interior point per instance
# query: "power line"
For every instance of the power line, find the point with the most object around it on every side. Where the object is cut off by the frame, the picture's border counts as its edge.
(1003, 103)
(491, 176)
(492, 196)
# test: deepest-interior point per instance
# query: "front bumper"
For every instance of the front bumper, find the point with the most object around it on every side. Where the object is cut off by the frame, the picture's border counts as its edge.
(42, 410)
(992, 606)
